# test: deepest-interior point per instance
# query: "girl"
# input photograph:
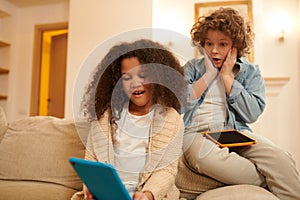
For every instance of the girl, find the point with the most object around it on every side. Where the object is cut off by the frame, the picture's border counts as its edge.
(133, 104)
(227, 92)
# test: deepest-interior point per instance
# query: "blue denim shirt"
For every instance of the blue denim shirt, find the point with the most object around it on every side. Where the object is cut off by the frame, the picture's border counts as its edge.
(246, 101)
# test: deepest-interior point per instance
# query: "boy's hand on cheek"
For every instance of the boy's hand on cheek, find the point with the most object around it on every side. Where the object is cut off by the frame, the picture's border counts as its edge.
(229, 63)
(210, 70)
(226, 70)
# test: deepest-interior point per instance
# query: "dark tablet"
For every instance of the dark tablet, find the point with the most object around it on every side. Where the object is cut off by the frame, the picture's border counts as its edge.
(229, 138)
(101, 179)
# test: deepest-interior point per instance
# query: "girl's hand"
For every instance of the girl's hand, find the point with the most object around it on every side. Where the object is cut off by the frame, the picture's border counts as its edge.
(143, 196)
(87, 194)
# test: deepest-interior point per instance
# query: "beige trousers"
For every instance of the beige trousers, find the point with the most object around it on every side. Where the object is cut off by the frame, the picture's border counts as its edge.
(259, 164)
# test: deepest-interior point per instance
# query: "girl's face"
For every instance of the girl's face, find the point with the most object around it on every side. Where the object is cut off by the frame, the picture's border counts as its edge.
(134, 84)
(217, 46)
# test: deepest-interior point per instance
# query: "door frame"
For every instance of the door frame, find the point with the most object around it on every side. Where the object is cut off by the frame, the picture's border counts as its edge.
(36, 62)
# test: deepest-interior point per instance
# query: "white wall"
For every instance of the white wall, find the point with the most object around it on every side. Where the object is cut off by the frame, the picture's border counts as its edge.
(280, 122)
(23, 21)
(92, 24)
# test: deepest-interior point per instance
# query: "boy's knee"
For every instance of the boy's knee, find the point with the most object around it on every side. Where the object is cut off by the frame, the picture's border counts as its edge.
(282, 156)
(278, 155)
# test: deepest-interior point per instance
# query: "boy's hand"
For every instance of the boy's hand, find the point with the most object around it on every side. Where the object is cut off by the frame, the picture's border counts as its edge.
(229, 63)
(211, 71)
(226, 70)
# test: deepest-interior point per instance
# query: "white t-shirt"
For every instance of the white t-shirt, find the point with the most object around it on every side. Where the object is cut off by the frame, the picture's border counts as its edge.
(132, 137)
(212, 113)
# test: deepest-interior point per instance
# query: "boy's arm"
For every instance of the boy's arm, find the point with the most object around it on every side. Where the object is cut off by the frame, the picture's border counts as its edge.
(248, 99)
(200, 83)
(227, 70)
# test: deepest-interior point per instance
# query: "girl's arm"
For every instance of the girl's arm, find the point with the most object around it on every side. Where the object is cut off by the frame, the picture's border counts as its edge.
(89, 155)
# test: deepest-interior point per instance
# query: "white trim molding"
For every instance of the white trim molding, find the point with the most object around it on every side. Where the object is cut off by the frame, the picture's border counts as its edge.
(275, 84)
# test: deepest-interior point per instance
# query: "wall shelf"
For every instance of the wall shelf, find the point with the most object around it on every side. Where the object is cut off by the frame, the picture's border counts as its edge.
(3, 97)
(3, 14)
(4, 44)
(3, 71)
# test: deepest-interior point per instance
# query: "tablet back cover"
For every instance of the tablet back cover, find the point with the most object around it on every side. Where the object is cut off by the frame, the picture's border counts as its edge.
(101, 179)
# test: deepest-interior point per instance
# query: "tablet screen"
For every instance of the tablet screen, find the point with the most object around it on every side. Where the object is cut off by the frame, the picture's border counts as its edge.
(230, 138)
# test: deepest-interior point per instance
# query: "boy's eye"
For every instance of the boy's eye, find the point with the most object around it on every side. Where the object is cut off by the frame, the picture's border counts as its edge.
(208, 44)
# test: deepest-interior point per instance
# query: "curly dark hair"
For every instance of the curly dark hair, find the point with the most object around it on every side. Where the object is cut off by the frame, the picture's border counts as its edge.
(163, 68)
(230, 23)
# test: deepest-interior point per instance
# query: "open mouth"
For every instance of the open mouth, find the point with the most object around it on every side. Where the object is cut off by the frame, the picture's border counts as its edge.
(217, 62)
(216, 59)
(139, 92)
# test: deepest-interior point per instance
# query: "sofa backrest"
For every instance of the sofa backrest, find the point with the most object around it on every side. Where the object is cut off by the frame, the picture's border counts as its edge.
(38, 149)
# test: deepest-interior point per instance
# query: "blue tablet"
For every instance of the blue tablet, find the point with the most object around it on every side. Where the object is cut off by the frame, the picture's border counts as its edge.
(101, 179)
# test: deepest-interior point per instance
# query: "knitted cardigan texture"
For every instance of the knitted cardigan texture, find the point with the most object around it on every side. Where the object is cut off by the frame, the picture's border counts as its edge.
(164, 150)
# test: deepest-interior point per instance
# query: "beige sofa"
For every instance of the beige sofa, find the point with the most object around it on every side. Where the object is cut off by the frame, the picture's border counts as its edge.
(34, 154)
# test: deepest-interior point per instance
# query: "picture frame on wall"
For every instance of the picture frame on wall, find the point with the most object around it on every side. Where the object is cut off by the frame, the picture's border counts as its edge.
(243, 6)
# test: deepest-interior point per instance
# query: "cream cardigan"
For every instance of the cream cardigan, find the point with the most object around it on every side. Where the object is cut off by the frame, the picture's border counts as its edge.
(164, 150)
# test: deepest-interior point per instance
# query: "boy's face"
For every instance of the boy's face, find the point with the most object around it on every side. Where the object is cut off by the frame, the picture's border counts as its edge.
(217, 45)
(135, 85)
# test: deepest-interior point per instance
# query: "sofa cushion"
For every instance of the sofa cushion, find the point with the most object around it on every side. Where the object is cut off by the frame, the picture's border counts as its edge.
(238, 192)
(33, 190)
(3, 123)
(201, 187)
(38, 148)
(192, 184)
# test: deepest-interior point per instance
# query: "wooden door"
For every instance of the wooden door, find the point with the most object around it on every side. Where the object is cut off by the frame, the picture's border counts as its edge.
(38, 75)
(57, 79)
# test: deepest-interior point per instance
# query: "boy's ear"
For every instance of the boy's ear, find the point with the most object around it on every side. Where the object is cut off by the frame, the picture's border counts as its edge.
(201, 50)
(235, 51)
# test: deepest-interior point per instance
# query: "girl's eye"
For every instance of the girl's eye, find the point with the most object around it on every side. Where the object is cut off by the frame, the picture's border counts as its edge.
(126, 77)
(224, 44)
(143, 76)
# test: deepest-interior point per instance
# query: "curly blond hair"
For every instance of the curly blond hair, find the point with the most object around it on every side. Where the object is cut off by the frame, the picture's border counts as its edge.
(230, 23)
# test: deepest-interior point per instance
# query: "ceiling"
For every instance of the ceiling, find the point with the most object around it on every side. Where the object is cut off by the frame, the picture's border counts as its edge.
(26, 3)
